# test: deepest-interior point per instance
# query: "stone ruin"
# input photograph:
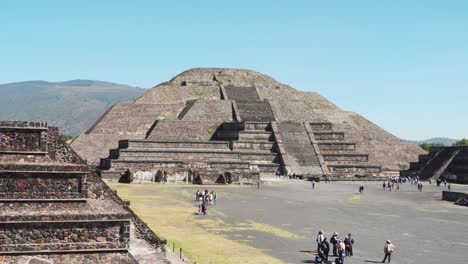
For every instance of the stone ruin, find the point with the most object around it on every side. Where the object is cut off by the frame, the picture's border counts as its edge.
(53, 208)
(235, 126)
(450, 163)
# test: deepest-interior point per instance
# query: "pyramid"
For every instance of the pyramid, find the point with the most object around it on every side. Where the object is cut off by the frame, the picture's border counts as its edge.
(211, 125)
(444, 163)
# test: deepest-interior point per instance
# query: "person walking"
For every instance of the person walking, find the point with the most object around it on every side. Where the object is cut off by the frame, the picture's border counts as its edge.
(334, 241)
(388, 250)
(320, 238)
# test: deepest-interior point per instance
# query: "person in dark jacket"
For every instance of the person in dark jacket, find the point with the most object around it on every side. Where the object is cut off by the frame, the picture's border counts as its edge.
(325, 248)
(349, 245)
(334, 241)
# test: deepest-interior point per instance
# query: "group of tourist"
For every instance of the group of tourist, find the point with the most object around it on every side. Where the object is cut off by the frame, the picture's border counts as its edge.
(204, 199)
(391, 185)
(341, 248)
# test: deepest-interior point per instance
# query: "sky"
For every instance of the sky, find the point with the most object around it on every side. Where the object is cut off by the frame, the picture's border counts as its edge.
(401, 64)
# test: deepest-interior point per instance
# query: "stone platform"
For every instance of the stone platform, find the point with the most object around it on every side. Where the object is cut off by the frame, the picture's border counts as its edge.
(46, 213)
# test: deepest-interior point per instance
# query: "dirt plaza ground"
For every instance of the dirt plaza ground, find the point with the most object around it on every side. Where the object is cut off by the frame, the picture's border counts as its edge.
(279, 223)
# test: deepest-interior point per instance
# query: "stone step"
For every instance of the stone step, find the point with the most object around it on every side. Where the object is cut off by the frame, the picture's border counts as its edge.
(140, 164)
(328, 135)
(321, 126)
(327, 146)
(353, 168)
(340, 157)
(113, 175)
(268, 167)
(255, 135)
(166, 144)
(230, 165)
(257, 126)
(178, 154)
(256, 145)
(255, 156)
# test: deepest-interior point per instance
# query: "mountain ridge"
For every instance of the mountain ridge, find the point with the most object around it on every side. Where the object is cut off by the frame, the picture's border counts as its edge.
(435, 140)
(71, 105)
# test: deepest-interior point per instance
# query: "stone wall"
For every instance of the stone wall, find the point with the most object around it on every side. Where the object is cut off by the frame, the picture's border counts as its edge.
(452, 196)
(40, 236)
(18, 136)
(181, 130)
(27, 185)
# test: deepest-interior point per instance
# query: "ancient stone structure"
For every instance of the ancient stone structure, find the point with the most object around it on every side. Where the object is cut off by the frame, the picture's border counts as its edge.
(229, 125)
(449, 163)
(44, 203)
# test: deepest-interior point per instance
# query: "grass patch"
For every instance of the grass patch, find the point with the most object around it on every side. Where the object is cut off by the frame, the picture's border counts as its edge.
(171, 215)
(355, 198)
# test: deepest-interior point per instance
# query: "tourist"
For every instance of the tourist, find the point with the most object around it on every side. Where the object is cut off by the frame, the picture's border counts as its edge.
(197, 195)
(325, 248)
(388, 250)
(349, 245)
(215, 198)
(383, 185)
(319, 240)
(445, 183)
(449, 186)
(200, 206)
(341, 251)
(313, 185)
(203, 208)
(334, 241)
(211, 198)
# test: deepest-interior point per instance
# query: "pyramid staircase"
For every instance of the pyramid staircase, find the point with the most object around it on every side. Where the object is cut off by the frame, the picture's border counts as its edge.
(339, 155)
(254, 142)
(446, 162)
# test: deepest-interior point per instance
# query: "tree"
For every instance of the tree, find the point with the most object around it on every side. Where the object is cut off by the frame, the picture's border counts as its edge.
(461, 142)
(427, 146)
(66, 138)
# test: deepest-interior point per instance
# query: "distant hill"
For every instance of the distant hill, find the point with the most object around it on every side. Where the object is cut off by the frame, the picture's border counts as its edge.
(438, 140)
(71, 105)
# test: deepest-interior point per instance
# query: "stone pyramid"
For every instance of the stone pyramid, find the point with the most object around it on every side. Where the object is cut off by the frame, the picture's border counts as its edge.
(221, 125)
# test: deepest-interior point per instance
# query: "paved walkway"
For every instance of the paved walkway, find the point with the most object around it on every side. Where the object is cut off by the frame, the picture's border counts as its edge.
(423, 228)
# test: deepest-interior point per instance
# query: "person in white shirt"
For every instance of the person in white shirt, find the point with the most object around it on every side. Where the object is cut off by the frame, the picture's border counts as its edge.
(320, 238)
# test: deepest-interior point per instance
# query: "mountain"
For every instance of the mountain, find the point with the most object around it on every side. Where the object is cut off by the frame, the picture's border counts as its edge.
(437, 140)
(71, 105)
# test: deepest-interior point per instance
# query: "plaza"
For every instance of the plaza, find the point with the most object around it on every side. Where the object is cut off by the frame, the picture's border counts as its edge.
(278, 223)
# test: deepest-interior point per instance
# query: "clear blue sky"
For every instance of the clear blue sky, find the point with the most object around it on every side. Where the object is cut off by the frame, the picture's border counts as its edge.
(401, 64)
